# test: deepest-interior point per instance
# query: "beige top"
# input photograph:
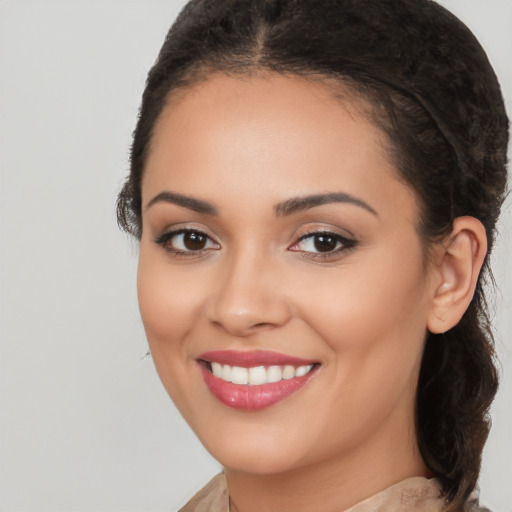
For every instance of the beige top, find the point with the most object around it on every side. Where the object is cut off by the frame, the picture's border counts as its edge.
(416, 494)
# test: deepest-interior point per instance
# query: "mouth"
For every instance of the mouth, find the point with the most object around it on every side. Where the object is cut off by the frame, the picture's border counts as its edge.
(254, 380)
(256, 375)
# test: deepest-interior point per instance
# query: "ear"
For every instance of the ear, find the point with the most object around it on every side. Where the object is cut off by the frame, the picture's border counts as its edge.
(457, 266)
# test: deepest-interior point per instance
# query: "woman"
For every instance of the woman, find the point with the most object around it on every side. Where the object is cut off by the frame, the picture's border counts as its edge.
(315, 187)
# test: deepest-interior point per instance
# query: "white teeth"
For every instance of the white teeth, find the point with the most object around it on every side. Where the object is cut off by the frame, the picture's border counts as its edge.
(274, 374)
(302, 370)
(288, 372)
(226, 373)
(239, 375)
(217, 370)
(258, 375)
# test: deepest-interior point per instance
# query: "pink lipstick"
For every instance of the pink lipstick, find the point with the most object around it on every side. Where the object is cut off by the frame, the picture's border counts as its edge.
(254, 380)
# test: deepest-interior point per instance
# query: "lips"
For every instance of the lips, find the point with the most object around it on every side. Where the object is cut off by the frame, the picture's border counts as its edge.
(254, 380)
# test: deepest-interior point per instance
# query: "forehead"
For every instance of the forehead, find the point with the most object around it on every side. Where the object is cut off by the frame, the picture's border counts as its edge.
(268, 136)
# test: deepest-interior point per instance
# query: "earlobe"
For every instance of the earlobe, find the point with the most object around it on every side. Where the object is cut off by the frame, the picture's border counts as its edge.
(460, 259)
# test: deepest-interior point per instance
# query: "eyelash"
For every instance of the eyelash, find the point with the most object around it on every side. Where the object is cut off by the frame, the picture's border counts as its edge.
(165, 238)
(342, 244)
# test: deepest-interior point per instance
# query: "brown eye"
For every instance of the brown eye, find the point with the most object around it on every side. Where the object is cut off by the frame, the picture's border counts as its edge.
(194, 241)
(186, 241)
(325, 243)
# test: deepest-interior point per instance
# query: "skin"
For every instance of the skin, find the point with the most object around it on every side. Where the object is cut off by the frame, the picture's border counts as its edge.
(362, 312)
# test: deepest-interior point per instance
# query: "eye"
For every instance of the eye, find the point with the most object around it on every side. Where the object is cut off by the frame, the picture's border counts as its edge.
(186, 241)
(322, 243)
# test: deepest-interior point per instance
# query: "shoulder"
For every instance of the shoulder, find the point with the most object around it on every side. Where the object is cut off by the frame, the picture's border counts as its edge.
(418, 494)
(473, 503)
(213, 496)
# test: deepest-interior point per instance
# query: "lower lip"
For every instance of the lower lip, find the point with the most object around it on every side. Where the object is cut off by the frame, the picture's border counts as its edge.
(253, 398)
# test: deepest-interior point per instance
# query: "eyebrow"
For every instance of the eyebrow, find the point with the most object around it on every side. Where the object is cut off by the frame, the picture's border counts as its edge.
(297, 204)
(288, 207)
(197, 205)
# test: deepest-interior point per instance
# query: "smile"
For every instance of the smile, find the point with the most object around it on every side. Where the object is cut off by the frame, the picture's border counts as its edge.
(257, 375)
(254, 380)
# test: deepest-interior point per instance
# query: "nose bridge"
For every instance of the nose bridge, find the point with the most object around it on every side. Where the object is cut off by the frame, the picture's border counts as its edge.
(246, 299)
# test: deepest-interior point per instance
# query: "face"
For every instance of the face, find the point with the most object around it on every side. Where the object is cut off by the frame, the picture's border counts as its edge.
(281, 279)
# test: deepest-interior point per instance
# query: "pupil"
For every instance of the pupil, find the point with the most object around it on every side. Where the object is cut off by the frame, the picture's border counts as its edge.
(194, 241)
(325, 243)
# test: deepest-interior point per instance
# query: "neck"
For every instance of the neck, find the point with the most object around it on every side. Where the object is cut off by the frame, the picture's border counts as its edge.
(338, 483)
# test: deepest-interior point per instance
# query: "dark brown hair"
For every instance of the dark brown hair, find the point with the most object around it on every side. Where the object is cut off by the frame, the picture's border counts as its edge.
(434, 93)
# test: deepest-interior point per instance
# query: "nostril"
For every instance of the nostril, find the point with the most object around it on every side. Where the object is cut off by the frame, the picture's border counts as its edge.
(241, 329)
(262, 326)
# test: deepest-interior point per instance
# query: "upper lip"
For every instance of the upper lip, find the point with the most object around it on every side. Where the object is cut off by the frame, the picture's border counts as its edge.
(248, 359)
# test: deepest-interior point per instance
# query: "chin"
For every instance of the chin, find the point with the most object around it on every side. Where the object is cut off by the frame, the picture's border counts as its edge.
(256, 462)
(256, 450)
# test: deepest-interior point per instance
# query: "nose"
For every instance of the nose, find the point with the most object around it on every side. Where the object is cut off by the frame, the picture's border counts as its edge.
(248, 297)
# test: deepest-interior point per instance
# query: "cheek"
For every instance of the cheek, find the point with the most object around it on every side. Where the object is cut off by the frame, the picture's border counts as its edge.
(167, 299)
(374, 327)
(373, 320)
(382, 294)
(169, 306)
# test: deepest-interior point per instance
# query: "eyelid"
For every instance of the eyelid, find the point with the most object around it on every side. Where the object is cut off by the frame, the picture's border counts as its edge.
(168, 234)
(343, 244)
(329, 229)
(317, 231)
(183, 227)
(346, 243)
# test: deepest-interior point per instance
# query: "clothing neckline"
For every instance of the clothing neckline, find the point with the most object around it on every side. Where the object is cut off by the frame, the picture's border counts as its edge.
(418, 494)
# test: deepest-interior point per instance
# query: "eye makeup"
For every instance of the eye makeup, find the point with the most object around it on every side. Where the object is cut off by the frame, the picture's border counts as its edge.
(322, 244)
(315, 244)
(187, 242)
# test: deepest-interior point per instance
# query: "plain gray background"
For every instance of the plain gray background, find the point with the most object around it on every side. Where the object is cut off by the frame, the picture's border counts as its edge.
(85, 424)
